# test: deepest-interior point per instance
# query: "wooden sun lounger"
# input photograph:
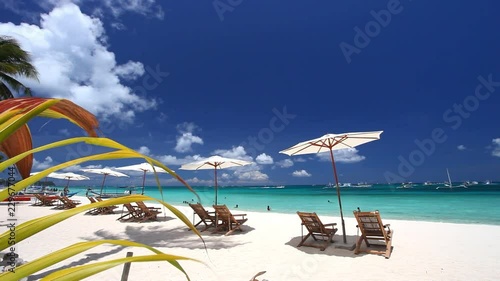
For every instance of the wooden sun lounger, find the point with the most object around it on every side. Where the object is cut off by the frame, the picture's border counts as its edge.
(206, 217)
(43, 200)
(67, 203)
(133, 214)
(229, 221)
(371, 227)
(100, 210)
(316, 229)
(149, 213)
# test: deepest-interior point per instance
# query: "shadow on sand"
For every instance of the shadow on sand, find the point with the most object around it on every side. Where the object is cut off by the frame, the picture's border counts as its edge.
(330, 250)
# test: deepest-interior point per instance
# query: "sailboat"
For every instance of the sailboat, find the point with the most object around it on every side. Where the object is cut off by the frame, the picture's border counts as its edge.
(449, 184)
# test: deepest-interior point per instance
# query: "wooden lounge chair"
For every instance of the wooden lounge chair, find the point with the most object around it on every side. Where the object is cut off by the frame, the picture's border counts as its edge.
(229, 221)
(67, 203)
(371, 227)
(316, 229)
(149, 213)
(133, 214)
(43, 200)
(206, 217)
(100, 210)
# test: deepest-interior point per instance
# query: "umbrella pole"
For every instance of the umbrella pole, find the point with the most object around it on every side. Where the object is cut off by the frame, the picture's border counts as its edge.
(338, 196)
(102, 185)
(215, 176)
(143, 180)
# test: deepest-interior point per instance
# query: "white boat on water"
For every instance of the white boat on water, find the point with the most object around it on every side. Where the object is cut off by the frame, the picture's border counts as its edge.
(406, 185)
(449, 184)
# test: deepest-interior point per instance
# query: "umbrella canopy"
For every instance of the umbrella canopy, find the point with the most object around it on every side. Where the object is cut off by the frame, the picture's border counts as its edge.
(67, 176)
(105, 172)
(214, 162)
(143, 167)
(328, 143)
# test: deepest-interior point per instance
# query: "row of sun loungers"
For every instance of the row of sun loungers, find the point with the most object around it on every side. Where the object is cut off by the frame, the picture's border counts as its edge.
(369, 223)
(59, 202)
(221, 219)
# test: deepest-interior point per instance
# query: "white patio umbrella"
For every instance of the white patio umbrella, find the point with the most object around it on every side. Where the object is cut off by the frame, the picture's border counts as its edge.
(67, 176)
(105, 172)
(328, 143)
(214, 162)
(143, 167)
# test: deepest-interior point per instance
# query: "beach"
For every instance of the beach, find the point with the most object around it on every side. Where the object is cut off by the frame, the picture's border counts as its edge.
(421, 250)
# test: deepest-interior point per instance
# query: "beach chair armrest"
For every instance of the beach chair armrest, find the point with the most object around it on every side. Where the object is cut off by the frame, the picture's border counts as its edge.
(330, 224)
(239, 215)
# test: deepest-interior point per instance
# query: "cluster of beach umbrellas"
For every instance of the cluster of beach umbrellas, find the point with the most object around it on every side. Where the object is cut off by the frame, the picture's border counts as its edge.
(327, 143)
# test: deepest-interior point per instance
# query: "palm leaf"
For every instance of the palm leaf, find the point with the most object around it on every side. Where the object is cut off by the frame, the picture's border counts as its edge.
(34, 226)
(77, 248)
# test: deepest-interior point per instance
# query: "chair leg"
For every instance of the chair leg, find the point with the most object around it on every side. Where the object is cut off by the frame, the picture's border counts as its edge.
(358, 245)
(304, 239)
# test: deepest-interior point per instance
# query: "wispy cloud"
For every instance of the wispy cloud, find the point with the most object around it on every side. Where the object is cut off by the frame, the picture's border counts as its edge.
(461, 147)
(348, 155)
(496, 147)
(286, 163)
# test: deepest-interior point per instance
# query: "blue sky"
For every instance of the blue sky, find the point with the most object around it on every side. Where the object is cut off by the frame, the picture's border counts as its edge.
(180, 81)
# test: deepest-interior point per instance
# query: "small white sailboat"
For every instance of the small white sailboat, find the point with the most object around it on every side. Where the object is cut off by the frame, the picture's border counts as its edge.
(449, 184)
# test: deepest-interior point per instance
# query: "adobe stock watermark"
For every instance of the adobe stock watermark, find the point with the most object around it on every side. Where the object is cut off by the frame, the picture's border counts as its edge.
(363, 36)
(277, 124)
(223, 6)
(150, 81)
(302, 271)
(454, 117)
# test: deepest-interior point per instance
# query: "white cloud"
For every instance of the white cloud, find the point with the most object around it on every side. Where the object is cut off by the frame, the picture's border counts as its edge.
(285, 163)
(301, 174)
(251, 176)
(185, 141)
(264, 159)
(186, 138)
(46, 163)
(348, 155)
(237, 152)
(144, 150)
(496, 147)
(69, 50)
(461, 147)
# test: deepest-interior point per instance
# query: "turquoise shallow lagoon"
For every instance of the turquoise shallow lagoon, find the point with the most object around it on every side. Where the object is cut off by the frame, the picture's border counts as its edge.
(479, 204)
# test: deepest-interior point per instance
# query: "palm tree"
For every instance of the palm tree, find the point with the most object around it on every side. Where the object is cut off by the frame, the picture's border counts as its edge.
(14, 61)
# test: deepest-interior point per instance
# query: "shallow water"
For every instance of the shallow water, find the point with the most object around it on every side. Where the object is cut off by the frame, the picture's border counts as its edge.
(478, 204)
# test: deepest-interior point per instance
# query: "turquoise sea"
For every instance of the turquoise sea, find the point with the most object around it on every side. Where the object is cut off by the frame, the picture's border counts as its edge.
(478, 204)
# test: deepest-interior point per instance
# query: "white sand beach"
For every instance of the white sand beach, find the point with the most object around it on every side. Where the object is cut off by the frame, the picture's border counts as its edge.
(422, 250)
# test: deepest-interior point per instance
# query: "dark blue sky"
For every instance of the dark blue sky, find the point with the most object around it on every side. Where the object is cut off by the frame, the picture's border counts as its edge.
(226, 77)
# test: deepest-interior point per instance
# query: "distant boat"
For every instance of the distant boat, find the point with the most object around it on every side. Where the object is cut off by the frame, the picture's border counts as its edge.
(428, 183)
(406, 185)
(487, 182)
(362, 184)
(449, 184)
